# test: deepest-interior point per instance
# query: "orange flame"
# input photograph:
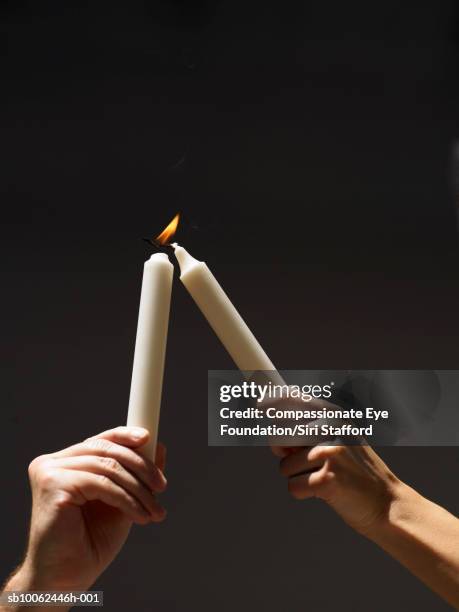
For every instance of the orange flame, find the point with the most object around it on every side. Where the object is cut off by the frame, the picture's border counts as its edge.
(169, 231)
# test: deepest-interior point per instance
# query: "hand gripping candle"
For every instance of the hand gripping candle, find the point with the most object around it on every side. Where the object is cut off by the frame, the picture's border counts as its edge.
(222, 316)
(150, 349)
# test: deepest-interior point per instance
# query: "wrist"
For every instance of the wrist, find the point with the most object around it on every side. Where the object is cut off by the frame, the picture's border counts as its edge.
(400, 509)
(27, 578)
(46, 575)
(424, 537)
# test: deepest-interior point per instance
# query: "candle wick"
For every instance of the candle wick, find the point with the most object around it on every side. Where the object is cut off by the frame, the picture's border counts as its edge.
(156, 244)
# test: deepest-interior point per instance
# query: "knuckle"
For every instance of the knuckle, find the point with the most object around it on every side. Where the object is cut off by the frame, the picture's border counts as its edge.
(103, 480)
(63, 499)
(110, 464)
(99, 444)
(35, 464)
(46, 478)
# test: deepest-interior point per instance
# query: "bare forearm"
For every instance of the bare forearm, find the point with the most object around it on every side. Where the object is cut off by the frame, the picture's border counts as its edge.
(24, 579)
(425, 538)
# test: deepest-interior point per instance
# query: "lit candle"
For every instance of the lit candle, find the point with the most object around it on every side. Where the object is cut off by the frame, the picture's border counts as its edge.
(222, 316)
(150, 346)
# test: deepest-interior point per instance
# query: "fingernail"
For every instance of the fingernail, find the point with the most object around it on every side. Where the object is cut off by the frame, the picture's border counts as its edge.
(138, 432)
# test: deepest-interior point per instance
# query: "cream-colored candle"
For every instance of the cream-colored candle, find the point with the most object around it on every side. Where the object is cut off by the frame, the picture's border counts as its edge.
(150, 348)
(223, 317)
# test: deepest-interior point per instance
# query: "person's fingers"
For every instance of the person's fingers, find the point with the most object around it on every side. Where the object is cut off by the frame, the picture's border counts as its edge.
(132, 437)
(84, 486)
(111, 468)
(140, 466)
(336, 452)
(310, 435)
(298, 463)
(161, 456)
(308, 485)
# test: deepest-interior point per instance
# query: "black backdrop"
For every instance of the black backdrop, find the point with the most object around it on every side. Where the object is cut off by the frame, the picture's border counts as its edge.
(308, 146)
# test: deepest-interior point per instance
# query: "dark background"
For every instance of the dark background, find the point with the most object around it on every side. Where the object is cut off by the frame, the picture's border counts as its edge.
(309, 148)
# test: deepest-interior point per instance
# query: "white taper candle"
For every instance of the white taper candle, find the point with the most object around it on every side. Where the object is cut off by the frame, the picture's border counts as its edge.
(150, 348)
(223, 317)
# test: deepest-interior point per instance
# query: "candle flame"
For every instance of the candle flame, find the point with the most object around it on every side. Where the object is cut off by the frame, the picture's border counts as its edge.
(168, 231)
